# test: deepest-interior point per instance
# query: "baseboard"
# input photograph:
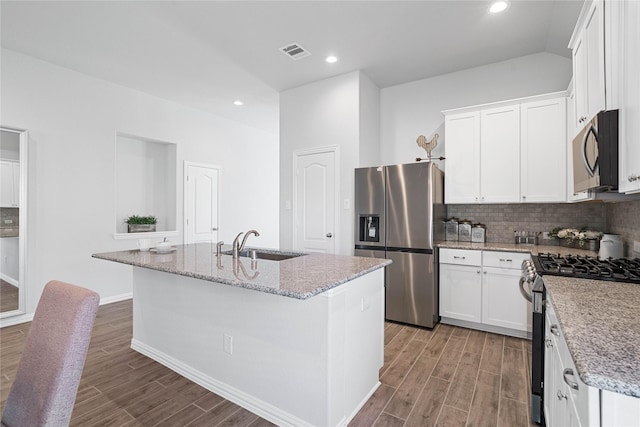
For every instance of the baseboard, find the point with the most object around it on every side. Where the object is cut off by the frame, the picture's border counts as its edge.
(487, 328)
(116, 298)
(345, 421)
(257, 406)
(10, 280)
(15, 320)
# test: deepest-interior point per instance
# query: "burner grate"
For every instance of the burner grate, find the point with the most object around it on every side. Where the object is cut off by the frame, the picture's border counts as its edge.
(622, 270)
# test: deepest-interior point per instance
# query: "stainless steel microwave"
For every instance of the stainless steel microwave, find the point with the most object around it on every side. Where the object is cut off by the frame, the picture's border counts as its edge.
(595, 154)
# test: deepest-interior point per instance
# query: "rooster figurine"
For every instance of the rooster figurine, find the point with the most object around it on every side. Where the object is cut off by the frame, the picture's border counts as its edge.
(428, 145)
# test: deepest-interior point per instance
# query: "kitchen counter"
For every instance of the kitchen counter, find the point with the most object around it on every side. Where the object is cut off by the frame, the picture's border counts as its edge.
(315, 328)
(512, 247)
(9, 232)
(599, 320)
(300, 277)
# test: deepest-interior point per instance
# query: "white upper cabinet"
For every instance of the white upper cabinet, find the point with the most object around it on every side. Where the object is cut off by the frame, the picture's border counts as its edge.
(629, 114)
(500, 155)
(462, 177)
(543, 151)
(587, 45)
(503, 152)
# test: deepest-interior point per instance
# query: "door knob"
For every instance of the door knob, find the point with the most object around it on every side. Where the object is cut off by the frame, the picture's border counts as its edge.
(329, 235)
(214, 229)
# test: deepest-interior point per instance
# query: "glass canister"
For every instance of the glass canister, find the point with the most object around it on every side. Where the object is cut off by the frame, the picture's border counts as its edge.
(464, 231)
(451, 229)
(478, 233)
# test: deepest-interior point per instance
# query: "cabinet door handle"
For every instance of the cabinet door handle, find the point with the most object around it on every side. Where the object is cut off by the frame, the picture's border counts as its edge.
(478, 272)
(568, 372)
(459, 257)
(554, 330)
(561, 395)
(505, 260)
(548, 343)
(633, 178)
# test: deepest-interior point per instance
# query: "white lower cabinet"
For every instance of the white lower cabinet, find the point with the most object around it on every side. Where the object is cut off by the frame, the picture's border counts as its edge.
(479, 290)
(502, 303)
(561, 382)
(570, 402)
(461, 298)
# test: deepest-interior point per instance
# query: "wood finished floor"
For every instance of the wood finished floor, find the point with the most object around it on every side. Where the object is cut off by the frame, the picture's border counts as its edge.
(8, 297)
(448, 376)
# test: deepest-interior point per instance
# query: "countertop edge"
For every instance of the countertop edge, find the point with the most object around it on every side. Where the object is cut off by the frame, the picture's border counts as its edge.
(247, 285)
(581, 362)
(512, 247)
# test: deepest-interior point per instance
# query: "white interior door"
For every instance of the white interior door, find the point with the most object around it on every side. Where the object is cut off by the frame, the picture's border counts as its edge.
(314, 201)
(201, 202)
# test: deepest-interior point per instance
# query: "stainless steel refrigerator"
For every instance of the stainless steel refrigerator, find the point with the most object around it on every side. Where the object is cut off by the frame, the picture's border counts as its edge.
(399, 213)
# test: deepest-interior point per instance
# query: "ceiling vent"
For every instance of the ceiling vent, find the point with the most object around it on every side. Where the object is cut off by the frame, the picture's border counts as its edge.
(295, 51)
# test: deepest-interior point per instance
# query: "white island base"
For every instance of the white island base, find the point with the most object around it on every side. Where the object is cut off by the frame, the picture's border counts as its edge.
(293, 362)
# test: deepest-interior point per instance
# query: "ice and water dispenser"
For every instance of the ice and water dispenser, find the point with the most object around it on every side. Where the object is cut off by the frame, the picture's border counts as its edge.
(369, 228)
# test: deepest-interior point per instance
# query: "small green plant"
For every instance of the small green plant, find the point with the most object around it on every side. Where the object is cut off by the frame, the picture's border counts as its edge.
(136, 219)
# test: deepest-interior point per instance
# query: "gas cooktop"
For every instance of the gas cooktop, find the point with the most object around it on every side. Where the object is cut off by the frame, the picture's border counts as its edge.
(586, 267)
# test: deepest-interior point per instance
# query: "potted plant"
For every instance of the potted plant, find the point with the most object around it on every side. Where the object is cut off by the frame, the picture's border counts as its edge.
(141, 224)
(577, 238)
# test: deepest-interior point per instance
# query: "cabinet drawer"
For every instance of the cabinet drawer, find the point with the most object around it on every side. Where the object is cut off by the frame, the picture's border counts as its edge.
(503, 259)
(460, 257)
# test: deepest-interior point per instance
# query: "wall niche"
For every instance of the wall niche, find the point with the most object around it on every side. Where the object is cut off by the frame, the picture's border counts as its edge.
(145, 183)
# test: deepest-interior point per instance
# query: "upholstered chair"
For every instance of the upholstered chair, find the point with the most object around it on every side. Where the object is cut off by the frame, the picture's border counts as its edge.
(44, 390)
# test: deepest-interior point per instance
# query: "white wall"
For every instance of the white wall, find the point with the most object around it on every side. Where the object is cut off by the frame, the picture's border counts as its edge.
(413, 109)
(72, 121)
(321, 114)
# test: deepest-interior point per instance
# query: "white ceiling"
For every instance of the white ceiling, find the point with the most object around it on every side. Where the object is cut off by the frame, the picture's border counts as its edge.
(205, 54)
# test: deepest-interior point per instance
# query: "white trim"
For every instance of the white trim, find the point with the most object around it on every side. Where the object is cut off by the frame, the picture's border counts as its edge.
(185, 167)
(335, 149)
(11, 318)
(506, 103)
(487, 328)
(22, 220)
(130, 236)
(10, 280)
(257, 406)
(116, 298)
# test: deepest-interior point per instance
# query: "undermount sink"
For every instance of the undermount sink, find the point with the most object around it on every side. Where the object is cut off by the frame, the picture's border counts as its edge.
(272, 256)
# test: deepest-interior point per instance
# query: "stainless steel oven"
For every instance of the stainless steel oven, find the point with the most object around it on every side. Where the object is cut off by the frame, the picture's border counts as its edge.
(532, 288)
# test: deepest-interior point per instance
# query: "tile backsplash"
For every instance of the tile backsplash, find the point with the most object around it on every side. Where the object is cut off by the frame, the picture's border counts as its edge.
(503, 219)
(624, 219)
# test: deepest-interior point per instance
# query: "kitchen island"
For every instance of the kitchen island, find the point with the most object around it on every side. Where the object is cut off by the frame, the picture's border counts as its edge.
(297, 341)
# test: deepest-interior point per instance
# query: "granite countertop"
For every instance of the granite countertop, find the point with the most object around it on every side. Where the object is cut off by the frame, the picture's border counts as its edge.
(9, 232)
(301, 277)
(512, 247)
(599, 320)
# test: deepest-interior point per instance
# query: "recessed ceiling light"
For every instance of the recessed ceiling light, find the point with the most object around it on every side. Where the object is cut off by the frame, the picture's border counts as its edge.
(331, 59)
(238, 102)
(499, 6)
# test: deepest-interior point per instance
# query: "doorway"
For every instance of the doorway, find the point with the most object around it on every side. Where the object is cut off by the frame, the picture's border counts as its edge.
(314, 199)
(13, 220)
(201, 202)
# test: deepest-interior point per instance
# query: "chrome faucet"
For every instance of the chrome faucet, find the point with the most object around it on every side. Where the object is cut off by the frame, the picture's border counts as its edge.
(238, 247)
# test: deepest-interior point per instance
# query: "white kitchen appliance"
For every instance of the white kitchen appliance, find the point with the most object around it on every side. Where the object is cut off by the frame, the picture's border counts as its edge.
(610, 246)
